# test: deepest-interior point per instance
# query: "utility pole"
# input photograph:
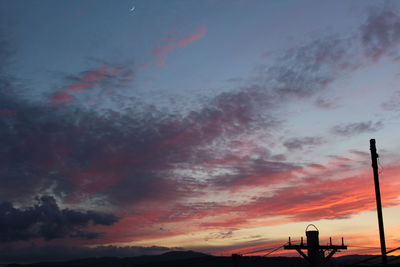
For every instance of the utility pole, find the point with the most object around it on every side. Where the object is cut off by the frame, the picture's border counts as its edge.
(374, 158)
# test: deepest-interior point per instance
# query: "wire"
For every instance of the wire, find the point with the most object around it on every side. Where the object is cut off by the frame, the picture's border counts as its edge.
(278, 248)
(260, 250)
(256, 251)
(265, 249)
(380, 165)
(375, 257)
(364, 247)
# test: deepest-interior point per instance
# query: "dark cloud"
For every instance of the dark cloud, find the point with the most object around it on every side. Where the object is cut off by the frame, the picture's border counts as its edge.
(300, 143)
(380, 34)
(46, 220)
(357, 128)
(125, 158)
(36, 253)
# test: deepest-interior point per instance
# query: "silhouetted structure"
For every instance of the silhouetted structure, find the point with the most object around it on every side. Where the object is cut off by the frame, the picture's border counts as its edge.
(374, 159)
(315, 252)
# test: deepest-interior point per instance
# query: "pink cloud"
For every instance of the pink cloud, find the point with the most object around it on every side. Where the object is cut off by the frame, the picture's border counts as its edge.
(61, 97)
(78, 87)
(172, 42)
(96, 75)
(310, 199)
(162, 50)
(104, 76)
(317, 199)
(7, 113)
(118, 71)
(199, 33)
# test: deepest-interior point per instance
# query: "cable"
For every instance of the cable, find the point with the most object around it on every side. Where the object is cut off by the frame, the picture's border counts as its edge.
(380, 165)
(265, 249)
(364, 247)
(374, 257)
(255, 251)
(260, 250)
(278, 248)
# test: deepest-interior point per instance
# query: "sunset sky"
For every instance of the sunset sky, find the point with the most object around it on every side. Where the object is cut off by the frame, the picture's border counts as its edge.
(137, 127)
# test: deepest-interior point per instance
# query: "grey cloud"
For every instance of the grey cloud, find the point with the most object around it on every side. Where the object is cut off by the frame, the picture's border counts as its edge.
(46, 220)
(350, 129)
(251, 172)
(299, 143)
(308, 69)
(380, 34)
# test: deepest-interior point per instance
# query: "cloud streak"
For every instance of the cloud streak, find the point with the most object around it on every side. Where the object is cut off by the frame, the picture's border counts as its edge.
(104, 77)
(173, 43)
(356, 128)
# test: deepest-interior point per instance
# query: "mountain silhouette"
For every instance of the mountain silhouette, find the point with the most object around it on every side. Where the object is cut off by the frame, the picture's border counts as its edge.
(197, 259)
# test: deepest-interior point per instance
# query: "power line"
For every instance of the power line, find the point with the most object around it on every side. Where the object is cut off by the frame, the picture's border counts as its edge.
(278, 248)
(364, 247)
(260, 250)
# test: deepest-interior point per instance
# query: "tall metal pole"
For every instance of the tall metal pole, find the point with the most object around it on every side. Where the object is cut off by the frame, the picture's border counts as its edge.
(374, 158)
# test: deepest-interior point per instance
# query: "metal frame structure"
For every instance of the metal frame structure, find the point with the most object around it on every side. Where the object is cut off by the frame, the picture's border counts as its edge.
(315, 252)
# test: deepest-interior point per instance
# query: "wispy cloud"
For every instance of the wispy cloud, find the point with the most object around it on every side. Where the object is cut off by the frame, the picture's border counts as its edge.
(298, 143)
(355, 128)
(104, 77)
(174, 42)
(380, 34)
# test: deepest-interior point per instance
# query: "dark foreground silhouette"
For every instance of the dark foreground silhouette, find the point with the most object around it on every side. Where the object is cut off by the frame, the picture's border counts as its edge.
(196, 259)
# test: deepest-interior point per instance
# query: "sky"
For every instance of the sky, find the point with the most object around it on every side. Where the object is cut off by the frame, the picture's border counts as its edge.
(140, 127)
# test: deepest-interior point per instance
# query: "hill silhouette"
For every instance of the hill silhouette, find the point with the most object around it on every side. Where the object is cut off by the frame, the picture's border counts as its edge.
(197, 259)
